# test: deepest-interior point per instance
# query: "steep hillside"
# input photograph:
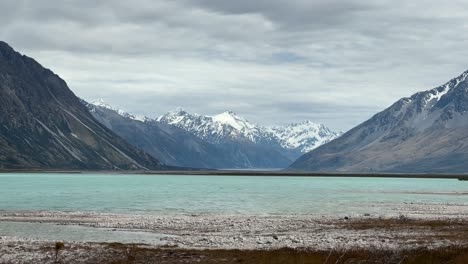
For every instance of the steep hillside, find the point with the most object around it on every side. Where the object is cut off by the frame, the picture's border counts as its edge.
(426, 132)
(43, 125)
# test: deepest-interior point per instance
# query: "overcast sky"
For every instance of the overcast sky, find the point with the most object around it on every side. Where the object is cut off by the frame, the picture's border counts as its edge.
(272, 61)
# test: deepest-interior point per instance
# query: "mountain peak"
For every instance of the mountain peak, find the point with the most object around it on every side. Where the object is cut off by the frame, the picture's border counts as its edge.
(228, 115)
(5, 47)
(230, 112)
(101, 103)
(179, 109)
(305, 135)
(424, 133)
(7, 50)
(454, 82)
(228, 125)
(233, 120)
(462, 77)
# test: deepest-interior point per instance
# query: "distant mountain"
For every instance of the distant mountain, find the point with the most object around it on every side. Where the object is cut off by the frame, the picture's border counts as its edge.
(215, 129)
(425, 133)
(298, 138)
(304, 136)
(100, 104)
(222, 141)
(171, 145)
(43, 125)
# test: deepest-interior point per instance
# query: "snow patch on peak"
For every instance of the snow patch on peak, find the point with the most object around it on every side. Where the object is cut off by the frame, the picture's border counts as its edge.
(462, 78)
(178, 110)
(436, 94)
(102, 104)
(439, 92)
(305, 136)
(231, 119)
(141, 118)
(179, 115)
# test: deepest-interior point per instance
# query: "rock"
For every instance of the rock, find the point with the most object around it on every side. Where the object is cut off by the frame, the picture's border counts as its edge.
(403, 218)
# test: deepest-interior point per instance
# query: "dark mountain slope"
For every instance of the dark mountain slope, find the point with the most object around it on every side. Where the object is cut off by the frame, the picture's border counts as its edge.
(425, 133)
(44, 125)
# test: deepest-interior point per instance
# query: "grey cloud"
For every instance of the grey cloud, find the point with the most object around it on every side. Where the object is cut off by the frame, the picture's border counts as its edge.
(294, 13)
(272, 61)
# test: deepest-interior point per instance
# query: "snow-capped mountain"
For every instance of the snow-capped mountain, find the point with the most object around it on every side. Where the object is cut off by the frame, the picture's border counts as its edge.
(226, 140)
(101, 103)
(304, 136)
(178, 147)
(204, 127)
(243, 127)
(226, 126)
(424, 133)
(216, 129)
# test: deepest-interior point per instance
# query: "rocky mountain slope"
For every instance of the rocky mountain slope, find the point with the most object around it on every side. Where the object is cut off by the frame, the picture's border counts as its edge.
(43, 125)
(424, 133)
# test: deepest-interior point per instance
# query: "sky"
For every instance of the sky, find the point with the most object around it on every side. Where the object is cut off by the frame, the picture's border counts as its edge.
(273, 62)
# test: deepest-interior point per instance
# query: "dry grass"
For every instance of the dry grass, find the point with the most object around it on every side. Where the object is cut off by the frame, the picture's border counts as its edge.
(403, 222)
(137, 255)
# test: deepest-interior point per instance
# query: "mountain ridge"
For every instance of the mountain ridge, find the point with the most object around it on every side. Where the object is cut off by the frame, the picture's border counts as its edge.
(425, 133)
(226, 140)
(219, 127)
(303, 136)
(178, 147)
(45, 126)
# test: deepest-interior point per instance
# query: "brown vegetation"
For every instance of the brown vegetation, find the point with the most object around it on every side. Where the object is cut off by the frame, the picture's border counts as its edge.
(135, 255)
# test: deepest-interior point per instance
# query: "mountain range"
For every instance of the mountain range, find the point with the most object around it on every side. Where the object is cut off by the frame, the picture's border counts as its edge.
(43, 125)
(296, 137)
(222, 141)
(424, 133)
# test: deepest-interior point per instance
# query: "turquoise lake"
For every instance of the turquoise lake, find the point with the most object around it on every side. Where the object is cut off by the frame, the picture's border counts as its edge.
(160, 194)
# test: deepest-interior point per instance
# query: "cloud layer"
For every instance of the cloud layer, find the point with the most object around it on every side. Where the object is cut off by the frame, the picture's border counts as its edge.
(330, 61)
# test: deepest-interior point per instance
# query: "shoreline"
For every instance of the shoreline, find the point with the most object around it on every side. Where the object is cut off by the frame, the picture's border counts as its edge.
(425, 226)
(227, 238)
(263, 173)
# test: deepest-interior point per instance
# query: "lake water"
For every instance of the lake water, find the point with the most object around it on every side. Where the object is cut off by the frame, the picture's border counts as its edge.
(159, 194)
